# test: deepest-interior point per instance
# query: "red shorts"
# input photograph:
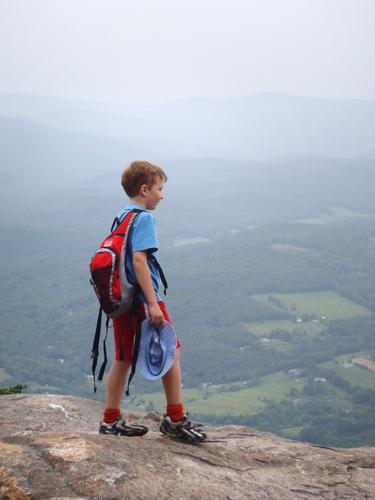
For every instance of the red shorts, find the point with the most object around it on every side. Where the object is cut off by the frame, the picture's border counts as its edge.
(124, 328)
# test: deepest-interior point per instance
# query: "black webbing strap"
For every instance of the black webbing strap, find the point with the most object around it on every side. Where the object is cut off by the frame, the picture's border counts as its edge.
(162, 275)
(102, 368)
(95, 348)
(137, 337)
(115, 223)
(137, 342)
(95, 345)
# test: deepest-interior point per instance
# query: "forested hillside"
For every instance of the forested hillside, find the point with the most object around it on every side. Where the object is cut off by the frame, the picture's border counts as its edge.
(271, 269)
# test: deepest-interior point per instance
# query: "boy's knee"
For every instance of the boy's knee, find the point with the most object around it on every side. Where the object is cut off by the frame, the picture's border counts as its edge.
(123, 363)
(121, 366)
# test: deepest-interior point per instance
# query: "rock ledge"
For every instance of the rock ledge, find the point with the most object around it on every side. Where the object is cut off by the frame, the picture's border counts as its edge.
(50, 449)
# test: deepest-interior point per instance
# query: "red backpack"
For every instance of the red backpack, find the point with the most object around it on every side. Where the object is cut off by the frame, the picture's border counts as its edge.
(116, 294)
(108, 277)
(107, 266)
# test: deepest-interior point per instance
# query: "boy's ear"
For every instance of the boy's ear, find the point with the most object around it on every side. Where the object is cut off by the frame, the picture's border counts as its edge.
(143, 190)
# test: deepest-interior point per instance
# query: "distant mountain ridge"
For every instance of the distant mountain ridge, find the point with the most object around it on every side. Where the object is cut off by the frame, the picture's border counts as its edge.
(39, 155)
(261, 127)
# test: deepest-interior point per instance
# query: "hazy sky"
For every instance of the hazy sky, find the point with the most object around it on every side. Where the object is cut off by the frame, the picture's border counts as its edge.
(150, 50)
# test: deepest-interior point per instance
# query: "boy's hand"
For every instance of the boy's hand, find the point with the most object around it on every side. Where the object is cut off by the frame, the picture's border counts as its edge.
(156, 315)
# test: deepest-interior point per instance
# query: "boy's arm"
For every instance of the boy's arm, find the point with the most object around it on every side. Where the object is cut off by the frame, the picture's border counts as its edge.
(143, 275)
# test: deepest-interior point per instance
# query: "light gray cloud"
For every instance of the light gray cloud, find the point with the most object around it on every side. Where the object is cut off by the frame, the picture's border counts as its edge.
(152, 50)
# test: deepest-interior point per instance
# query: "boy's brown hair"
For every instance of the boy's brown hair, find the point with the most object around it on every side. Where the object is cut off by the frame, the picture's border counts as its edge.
(139, 173)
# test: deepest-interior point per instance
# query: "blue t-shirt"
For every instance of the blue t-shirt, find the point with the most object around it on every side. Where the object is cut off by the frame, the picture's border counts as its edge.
(143, 238)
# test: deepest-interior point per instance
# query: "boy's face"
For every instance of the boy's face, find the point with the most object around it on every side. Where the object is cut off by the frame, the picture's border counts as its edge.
(153, 195)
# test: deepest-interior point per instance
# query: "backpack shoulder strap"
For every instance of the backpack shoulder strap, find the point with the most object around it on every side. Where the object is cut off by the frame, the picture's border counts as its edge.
(117, 221)
(162, 275)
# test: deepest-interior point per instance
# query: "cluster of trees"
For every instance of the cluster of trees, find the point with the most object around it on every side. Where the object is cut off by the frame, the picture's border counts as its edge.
(13, 389)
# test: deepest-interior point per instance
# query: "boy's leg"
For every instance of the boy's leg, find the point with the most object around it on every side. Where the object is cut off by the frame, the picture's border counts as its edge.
(172, 382)
(123, 329)
(116, 383)
(112, 422)
(172, 388)
(176, 424)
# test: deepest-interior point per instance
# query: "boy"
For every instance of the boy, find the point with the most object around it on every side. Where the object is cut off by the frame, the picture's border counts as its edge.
(143, 182)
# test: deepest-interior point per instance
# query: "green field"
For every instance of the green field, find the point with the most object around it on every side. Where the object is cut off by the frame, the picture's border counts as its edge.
(280, 345)
(292, 432)
(182, 242)
(246, 400)
(328, 304)
(3, 375)
(266, 327)
(281, 247)
(354, 374)
(240, 399)
(219, 400)
(336, 213)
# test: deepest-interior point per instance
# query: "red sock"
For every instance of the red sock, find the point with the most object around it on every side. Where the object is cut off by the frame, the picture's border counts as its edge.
(175, 412)
(111, 415)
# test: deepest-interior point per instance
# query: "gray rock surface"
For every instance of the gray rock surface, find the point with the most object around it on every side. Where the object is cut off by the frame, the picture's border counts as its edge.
(50, 448)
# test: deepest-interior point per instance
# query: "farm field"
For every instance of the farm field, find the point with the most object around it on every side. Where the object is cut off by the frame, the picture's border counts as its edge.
(328, 304)
(217, 399)
(33, 386)
(292, 432)
(182, 242)
(266, 327)
(335, 213)
(280, 345)
(3, 375)
(236, 399)
(353, 373)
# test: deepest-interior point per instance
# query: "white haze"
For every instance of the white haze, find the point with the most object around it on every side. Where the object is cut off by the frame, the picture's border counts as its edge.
(149, 51)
